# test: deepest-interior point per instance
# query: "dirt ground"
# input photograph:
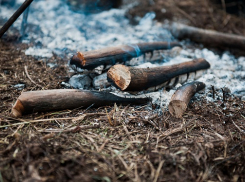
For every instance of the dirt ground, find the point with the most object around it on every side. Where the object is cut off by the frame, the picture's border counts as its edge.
(129, 143)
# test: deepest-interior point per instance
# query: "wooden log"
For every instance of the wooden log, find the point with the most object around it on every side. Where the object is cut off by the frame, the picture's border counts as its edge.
(112, 55)
(60, 99)
(207, 37)
(137, 79)
(182, 97)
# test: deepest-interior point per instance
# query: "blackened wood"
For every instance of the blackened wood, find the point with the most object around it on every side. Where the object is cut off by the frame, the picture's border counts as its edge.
(60, 99)
(112, 55)
(137, 79)
(182, 97)
(13, 18)
(208, 37)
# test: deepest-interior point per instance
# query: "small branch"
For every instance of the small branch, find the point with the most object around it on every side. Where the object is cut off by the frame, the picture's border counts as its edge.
(83, 116)
(28, 76)
(242, 131)
(137, 79)
(72, 129)
(14, 17)
(112, 55)
(182, 97)
(22, 121)
(158, 171)
(103, 146)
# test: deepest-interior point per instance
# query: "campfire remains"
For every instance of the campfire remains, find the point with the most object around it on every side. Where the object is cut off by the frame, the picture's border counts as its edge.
(118, 143)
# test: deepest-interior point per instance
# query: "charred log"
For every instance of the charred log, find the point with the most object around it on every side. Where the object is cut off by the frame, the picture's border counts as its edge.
(112, 55)
(208, 37)
(137, 79)
(60, 99)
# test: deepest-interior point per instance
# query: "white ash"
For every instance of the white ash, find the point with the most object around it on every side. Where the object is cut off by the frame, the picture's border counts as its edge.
(100, 82)
(81, 81)
(40, 52)
(65, 85)
(52, 65)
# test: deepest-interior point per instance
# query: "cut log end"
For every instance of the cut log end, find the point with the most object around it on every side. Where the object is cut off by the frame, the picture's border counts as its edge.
(177, 108)
(182, 97)
(17, 109)
(120, 75)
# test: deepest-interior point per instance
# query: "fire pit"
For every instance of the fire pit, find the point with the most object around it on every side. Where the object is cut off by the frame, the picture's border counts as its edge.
(57, 29)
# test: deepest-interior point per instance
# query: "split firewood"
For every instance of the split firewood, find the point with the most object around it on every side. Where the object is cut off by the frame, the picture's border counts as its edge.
(182, 96)
(208, 37)
(112, 55)
(60, 99)
(137, 79)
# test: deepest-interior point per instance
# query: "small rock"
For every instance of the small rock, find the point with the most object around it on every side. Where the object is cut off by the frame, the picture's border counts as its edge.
(19, 86)
(101, 81)
(80, 81)
(66, 85)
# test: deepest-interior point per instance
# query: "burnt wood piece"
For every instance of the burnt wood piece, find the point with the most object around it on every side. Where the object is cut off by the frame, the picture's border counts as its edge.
(137, 79)
(60, 99)
(208, 37)
(182, 96)
(112, 55)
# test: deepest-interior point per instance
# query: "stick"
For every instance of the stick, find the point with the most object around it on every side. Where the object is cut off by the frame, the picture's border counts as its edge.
(137, 79)
(14, 17)
(182, 97)
(111, 55)
(60, 99)
(28, 76)
(208, 37)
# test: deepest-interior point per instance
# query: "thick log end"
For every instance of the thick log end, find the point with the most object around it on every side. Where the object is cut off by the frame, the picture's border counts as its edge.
(182, 97)
(78, 60)
(177, 108)
(18, 109)
(120, 75)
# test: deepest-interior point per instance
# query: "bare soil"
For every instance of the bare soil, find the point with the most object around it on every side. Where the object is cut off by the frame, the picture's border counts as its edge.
(129, 143)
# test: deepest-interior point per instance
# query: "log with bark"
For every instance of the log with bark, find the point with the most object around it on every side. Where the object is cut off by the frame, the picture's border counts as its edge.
(60, 99)
(182, 96)
(207, 37)
(137, 79)
(112, 55)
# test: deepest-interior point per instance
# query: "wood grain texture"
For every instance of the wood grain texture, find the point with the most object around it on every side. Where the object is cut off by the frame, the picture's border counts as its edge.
(182, 97)
(60, 99)
(137, 79)
(208, 37)
(112, 55)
